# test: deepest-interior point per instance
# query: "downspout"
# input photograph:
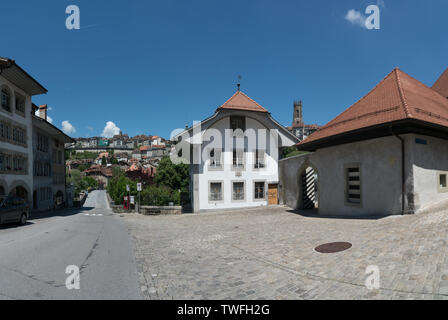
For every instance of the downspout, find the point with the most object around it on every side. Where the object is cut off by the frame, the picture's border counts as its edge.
(403, 179)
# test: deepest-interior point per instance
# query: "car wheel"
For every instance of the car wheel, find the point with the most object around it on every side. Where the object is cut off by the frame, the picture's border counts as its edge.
(23, 219)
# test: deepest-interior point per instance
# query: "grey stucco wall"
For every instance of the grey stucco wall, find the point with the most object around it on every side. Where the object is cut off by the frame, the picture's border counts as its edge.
(381, 179)
(429, 159)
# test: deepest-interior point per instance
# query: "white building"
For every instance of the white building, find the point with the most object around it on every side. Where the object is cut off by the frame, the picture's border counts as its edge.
(16, 147)
(233, 163)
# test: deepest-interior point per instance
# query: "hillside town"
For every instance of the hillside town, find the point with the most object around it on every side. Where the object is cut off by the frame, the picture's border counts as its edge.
(231, 153)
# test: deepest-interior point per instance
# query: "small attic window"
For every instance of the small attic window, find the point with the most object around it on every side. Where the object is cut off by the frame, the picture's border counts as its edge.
(442, 181)
(238, 122)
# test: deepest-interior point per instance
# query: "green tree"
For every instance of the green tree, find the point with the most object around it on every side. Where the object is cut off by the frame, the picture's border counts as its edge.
(117, 188)
(174, 176)
(103, 161)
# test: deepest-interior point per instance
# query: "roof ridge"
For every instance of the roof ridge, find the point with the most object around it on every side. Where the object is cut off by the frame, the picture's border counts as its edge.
(402, 96)
(251, 103)
(424, 85)
(253, 100)
(229, 99)
(359, 100)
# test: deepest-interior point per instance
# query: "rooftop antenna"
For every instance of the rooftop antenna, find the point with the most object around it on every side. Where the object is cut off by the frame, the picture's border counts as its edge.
(239, 82)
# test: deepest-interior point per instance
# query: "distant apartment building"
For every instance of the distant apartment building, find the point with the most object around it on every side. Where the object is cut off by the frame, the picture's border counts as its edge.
(48, 142)
(17, 88)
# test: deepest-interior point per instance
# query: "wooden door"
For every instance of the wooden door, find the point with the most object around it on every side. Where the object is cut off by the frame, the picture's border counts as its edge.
(273, 194)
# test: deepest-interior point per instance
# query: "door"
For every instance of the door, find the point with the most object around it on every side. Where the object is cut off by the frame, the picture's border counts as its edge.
(273, 194)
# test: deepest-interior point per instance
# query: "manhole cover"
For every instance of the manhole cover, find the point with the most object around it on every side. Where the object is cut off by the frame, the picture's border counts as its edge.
(333, 247)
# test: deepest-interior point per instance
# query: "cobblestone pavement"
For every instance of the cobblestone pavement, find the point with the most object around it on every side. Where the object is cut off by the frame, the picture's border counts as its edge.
(269, 253)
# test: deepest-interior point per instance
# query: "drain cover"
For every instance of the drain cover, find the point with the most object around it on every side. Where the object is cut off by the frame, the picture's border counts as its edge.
(333, 247)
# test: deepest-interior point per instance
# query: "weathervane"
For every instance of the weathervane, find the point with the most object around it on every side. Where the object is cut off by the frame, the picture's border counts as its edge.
(239, 82)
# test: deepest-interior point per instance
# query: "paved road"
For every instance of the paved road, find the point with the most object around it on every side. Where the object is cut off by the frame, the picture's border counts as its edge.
(34, 258)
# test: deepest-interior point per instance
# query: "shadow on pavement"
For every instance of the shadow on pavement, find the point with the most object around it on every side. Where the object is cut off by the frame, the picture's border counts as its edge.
(312, 213)
(14, 225)
(58, 213)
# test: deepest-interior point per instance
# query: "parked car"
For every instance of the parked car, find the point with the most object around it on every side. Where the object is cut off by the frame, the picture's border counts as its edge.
(13, 210)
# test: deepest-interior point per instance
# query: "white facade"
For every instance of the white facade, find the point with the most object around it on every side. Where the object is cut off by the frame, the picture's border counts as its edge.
(10, 148)
(224, 172)
(229, 174)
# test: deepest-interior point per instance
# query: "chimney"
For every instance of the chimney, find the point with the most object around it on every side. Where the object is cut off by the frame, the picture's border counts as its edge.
(43, 112)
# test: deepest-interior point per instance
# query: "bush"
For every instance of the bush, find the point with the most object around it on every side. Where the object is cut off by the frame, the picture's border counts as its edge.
(159, 196)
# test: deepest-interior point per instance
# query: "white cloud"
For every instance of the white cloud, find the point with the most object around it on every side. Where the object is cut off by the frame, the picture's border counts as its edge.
(356, 18)
(110, 130)
(68, 128)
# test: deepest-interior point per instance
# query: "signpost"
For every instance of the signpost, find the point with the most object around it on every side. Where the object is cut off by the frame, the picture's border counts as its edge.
(128, 189)
(139, 189)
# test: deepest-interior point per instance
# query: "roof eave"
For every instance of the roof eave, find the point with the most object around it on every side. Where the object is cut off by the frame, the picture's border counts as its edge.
(10, 65)
(386, 129)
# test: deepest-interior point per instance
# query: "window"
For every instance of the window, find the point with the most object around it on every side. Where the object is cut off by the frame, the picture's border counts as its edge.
(6, 99)
(5, 162)
(19, 135)
(238, 122)
(20, 104)
(442, 182)
(353, 185)
(13, 163)
(5, 131)
(215, 158)
(259, 159)
(259, 190)
(216, 191)
(238, 191)
(42, 143)
(238, 158)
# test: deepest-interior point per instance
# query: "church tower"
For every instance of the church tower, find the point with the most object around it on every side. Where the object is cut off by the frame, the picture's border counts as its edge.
(298, 116)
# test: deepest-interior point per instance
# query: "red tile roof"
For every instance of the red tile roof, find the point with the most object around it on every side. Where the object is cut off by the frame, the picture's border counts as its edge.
(396, 97)
(144, 148)
(441, 85)
(240, 101)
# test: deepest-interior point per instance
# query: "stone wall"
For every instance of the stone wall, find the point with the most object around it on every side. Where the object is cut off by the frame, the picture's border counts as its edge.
(381, 185)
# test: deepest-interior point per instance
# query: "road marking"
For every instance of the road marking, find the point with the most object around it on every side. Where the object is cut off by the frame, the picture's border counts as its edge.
(93, 214)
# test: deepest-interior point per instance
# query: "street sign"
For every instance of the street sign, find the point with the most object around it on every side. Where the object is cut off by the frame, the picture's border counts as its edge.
(139, 187)
(128, 188)
(132, 200)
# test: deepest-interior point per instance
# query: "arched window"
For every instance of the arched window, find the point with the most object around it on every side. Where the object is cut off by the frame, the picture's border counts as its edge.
(6, 98)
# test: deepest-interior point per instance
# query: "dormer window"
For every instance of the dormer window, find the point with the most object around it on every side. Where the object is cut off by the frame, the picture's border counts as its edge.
(238, 122)
(6, 99)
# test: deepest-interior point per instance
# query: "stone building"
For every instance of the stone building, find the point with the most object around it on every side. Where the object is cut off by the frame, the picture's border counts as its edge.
(233, 156)
(49, 190)
(17, 88)
(386, 154)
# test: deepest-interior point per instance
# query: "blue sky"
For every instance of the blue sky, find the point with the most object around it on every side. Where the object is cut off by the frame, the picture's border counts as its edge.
(153, 66)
